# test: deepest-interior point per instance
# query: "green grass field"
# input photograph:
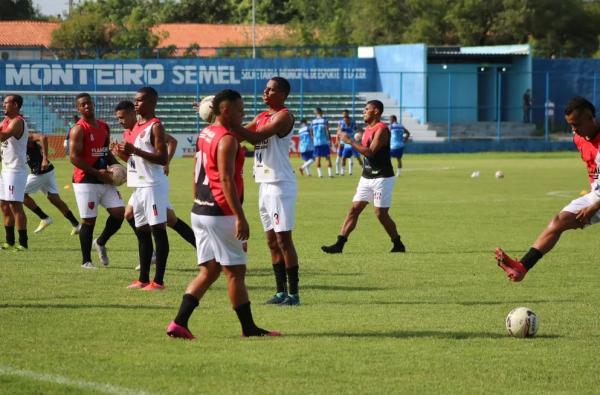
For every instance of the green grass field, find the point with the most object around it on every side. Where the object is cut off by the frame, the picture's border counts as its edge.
(428, 321)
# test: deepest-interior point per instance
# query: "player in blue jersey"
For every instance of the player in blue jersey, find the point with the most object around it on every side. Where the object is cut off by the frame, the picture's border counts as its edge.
(399, 137)
(305, 147)
(322, 142)
(345, 151)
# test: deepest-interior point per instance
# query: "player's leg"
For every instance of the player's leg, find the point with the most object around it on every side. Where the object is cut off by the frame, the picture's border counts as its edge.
(110, 198)
(179, 226)
(9, 225)
(87, 198)
(339, 160)
(329, 169)
(382, 201)
(290, 257)
(348, 226)
(154, 202)
(60, 204)
(33, 185)
(14, 193)
(319, 171)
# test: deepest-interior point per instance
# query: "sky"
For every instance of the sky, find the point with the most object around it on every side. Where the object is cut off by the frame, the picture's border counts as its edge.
(52, 7)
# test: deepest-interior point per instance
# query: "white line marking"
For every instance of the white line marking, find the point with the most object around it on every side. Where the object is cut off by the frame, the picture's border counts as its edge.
(563, 194)
(56, 379)
(428, 168)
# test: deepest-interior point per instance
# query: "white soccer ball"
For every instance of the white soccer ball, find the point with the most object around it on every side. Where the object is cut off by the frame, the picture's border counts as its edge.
(475, 174)
(118, 174)
(522, 322)
(205, 109)
(358, 136)
(499, 174)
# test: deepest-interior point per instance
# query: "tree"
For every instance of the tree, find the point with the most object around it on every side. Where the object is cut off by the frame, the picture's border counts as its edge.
(196, 11)
(13, 10)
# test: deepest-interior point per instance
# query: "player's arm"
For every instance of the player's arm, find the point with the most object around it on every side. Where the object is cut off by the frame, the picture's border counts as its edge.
(159, 156)
(171, 148)
(226, 153)
(76, 156)
(42, 140)
(15, 129)
(406, 135)
(381, 139)
(114, 149)
(280, 125)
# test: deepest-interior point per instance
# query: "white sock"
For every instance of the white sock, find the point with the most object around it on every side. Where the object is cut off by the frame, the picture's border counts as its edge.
(341, 169)
(329, 172)
(338, 160)
(398, 172)
(307, 170)
(306, 166)
(320, 172)
(350, 163)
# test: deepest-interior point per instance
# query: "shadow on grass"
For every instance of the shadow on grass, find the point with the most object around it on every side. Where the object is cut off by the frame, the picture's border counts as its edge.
(81, 306)
(449, 302)
(459, 335)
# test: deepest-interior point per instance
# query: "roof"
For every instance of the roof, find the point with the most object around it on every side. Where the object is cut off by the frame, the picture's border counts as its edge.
(518, 49)
(181, 35)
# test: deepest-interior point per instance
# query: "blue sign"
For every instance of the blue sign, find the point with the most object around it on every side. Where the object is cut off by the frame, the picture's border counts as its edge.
(189, 75)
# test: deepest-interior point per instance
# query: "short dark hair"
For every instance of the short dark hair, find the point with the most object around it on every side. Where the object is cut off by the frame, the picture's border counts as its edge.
(303, 120)
(318, 109)
(150, 91)
(83, 94)
(579, 103)
(345, 112)
(17, 99)
(393, 117)
(225, 95)
(125, 105)
(377, 104)
(283, 84)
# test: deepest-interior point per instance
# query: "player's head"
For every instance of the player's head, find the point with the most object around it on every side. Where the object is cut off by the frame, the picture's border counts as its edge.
(276, 91)
(393, 119)
(580, 115)
(125, 113)
(304, 122)
(373, 111)
(228, 107)
(145, 101)
(12, 104)
(345, 114)
(85, 105)
(318, 111)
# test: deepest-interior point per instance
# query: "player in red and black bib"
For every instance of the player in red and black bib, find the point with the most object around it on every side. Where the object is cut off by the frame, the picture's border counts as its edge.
(377, 181)
(218, 219)
(92, 183)
(580, 114)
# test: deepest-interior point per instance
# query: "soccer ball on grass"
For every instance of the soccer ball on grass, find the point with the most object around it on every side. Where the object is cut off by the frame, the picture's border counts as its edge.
(522, 322)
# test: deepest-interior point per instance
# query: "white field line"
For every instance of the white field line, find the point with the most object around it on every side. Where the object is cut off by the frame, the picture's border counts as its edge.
(563, 194)
(61, 380)
(426, 168)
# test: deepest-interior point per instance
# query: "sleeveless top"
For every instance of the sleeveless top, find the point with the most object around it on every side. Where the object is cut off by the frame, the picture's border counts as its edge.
(272, 156)
(380, 164)
(14, 150)
(95, 150)
(141, 172)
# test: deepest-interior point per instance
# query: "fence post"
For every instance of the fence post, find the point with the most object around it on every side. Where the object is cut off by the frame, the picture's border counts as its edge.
(594, 90)
(449, 106)
(400, 99)
(546, 107)
(353, 87)
(302, 90)
(498, 104)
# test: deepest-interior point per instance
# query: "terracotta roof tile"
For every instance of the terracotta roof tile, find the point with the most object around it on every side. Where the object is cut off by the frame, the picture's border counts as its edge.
(26, 33)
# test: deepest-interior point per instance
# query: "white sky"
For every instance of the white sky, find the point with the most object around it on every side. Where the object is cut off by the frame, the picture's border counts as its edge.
(52, 7)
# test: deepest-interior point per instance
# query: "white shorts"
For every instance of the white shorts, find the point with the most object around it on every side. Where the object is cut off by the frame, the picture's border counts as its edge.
(150, 205)
(580, 203)
(89, 196)
(13, 185)
(375, 190)
(41, 182)
(277, 206)
(215, 239)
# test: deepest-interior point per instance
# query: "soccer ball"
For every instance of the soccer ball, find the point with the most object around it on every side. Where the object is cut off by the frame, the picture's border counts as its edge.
(522, 322)
(358, 136)
(205, 109)
(118, 174)
(499, 174)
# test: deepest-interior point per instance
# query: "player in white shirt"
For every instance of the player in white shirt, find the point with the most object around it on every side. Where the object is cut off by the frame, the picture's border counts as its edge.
(13, 136)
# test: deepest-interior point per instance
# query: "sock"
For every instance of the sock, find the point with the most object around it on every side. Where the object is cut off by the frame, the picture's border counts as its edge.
(161, 242)
(341, 170)
(341, 240)
(280, 276)
(531, 257)
(398, 172)
(145, 249)
(188, 304)
(329, 172)
(112, 226)
(23, 237)
(319, 172)
(10, 235)
(40, 213)
(350, 165)
(69, 215)
(337, 164)
(185, 232)
(292, 275)
(307, 170)
(249, 328)
(86, 234)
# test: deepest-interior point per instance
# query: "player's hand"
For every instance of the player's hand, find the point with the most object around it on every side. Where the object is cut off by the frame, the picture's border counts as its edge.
(128, 148)
(166, 170)
(585, 215)
(242, 229)
(343, 137)
(105, 176)
(196, 106)
(114, 147)
(45, 164)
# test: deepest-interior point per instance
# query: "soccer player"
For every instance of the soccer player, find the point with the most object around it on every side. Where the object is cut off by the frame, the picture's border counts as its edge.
(305, 147)
(322, 142)
(377, 180)
(400, 136)
(126, 115)
(580, 114)
(271, 132)
(218, 218)
(345, 151)
(92, 182)
(42, 178)
(145, 151)
(13, 136)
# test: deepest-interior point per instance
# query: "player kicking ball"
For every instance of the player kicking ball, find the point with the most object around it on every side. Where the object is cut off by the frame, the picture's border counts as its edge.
(218, 218)
(580, 114)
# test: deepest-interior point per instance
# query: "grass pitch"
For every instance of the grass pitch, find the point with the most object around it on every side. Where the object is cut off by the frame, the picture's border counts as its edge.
(428, 321)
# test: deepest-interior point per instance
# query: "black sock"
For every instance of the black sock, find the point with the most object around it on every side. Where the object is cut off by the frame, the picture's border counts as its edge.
(531, 257)
(112, 226)
(10, 234)
(161, 242)
(23, 238)
(185, 232)
(188, 303)
(40, 213)
(341, 240)
(86, 234)
(292, 275)
(280, 276)
(145, 249)
(69, 215)
(249, 328)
